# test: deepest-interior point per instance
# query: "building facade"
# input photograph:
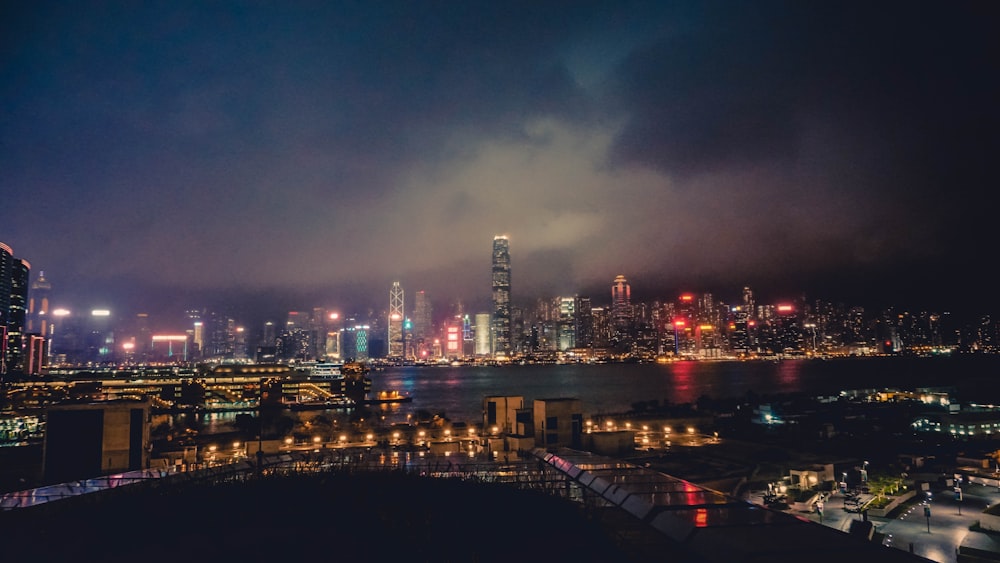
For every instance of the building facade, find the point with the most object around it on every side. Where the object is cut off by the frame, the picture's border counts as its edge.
(14, 273)
(397, 313)
(501, 296)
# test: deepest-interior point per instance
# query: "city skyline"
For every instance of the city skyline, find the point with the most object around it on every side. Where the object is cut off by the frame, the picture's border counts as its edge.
(160, 157)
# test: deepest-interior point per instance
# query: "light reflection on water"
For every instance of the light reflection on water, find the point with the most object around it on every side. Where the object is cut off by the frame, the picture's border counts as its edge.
(457, 392)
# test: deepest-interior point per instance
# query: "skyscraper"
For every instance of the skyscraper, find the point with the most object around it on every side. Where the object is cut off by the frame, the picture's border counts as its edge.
(423, 323)
(397, 313)
(6, 263)
(14, 274)
(621, 303)
(501, 296)
(38, 305)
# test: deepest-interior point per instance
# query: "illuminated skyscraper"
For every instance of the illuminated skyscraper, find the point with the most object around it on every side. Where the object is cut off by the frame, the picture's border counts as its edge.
(621, 303)
(566, 324)
(482, 332)
(748, 302)
(423, 321)
(38, 305)
(397, 314)
(501, 296)
(14, 273)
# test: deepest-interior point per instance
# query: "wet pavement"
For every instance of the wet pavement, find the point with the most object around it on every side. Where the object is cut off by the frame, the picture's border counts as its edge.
(936, 538)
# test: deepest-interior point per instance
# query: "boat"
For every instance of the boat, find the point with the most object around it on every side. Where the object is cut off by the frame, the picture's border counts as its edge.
(388, 397)
(334, 402)
(326, 370)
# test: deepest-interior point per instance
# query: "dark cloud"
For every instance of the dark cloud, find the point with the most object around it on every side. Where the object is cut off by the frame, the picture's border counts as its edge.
(312, 153)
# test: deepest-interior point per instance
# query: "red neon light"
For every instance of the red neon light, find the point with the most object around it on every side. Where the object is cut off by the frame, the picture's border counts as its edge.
(687, 297)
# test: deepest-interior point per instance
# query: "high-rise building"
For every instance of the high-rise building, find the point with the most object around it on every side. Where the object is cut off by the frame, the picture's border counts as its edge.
(748, 302)
(423, 320)
(621, 304)
(38, 305)
(397, 313)
(14, 273)
(482, 332)
(501, 296)
(566, 325)
(584, 320)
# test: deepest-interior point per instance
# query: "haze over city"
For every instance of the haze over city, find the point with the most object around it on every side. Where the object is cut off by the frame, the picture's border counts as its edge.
(161, 156)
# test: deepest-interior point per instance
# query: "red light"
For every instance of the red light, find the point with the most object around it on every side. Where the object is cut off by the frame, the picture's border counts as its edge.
(784, 308)
(687, 297)
(679, 323)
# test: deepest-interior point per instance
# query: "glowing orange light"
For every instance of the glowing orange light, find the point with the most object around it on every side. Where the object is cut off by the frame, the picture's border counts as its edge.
(334, 316)
(679, 323)
(687, 297)
(784, 308)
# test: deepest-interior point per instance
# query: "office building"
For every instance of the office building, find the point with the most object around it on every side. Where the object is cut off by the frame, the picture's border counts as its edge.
(501, 296)
(38, 305)
(397, 313)
(423, 323)
(14, 273)
(621, 305)
(482, 334)
(566, 324)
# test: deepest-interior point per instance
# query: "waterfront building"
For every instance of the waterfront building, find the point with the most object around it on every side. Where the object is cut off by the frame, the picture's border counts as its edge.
(558, 422)
(354, 342)
(397, 313)
(453, 339)
(500, 414)
(501, 296)
(88, 440)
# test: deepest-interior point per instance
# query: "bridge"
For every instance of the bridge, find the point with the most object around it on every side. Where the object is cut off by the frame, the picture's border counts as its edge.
(653, 515)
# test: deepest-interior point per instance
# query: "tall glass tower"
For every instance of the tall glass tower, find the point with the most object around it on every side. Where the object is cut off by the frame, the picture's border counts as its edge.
(501, 296)
(396, 314)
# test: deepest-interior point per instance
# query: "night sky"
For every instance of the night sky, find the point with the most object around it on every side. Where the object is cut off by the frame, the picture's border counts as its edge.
(158, 155)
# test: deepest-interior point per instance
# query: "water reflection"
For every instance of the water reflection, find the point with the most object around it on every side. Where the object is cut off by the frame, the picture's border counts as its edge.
(682, 375)
(789, 373)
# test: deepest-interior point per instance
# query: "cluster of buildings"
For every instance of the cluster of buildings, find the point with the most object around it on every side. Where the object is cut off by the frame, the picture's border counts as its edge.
(557, 329)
